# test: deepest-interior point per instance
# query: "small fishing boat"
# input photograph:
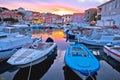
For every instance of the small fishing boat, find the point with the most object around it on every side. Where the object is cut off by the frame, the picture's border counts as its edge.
(81, 60)
(32, 53)
(97, 36)
(103, 40)
(113, 50)
(10, 41)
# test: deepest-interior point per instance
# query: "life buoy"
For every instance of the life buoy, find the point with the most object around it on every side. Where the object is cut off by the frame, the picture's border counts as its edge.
(35, 45)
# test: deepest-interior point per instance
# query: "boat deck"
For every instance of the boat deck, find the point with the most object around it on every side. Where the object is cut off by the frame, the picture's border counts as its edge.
(22, 56)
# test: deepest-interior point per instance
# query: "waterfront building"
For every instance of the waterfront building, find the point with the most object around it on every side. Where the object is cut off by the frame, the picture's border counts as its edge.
(48, 19)
(108, 13)
(35, 18)
(90, 14)
(67, 18)
(78, 17)
(9, 14)
(59, 21)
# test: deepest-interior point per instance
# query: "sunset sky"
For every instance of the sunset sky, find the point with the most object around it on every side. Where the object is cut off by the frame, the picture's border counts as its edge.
(53, 6)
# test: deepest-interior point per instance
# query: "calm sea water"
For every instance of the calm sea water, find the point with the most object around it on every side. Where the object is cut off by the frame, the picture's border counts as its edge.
(54, 67)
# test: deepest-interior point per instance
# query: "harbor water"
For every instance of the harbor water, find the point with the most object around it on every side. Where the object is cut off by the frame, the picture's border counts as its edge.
(54, 67)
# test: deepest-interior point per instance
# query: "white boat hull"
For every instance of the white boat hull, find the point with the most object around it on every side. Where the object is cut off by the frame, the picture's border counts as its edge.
(96, 42)
(4, 54)
(34, 62)
(112, 53)
(29, 56)
(80, 75)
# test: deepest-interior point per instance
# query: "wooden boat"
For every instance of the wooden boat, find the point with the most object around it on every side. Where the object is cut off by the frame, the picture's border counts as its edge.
(81, 60)
(113, 51)
(32, 53)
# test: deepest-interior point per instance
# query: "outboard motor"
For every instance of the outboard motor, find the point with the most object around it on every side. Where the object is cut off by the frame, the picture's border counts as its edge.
(49, 39)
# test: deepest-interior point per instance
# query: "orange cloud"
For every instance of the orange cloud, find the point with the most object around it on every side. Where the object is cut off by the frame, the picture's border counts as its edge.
(64, 10)
(44, 7)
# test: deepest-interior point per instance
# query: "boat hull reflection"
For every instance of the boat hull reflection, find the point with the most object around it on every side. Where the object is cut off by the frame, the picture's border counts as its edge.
(70, 75)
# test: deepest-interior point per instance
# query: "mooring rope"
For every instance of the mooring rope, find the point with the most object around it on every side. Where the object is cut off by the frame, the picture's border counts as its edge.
(90, 74)
(29, 71)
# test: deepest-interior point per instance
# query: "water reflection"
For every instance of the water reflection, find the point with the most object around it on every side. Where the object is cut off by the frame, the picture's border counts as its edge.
(115, 64)
(37, 71)
(70, 75)
(45, 33)
(7, 71)
(5, 67)
(55, 69)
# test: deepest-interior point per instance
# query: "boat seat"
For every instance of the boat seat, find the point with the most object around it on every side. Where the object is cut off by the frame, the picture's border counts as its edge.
(80, 54)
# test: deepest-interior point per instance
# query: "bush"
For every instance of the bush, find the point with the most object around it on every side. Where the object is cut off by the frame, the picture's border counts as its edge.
(12, 20)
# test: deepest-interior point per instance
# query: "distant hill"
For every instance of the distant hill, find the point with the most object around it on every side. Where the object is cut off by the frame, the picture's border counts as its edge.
(2, 9)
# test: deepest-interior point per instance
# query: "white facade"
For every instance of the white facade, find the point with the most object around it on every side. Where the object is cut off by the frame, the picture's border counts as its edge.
(110, 13)
(67, 18)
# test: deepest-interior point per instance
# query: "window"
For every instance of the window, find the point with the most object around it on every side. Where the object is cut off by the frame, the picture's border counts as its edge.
(116, 4)
(88, 12)
(110, 6)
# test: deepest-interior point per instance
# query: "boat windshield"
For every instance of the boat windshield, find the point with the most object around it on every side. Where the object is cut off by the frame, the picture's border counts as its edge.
(39, 46)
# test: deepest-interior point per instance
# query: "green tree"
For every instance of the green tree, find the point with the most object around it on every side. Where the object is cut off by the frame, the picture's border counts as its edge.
(11, 20)
(93, 17)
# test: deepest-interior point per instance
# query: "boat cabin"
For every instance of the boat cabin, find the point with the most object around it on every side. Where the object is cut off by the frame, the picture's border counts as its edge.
(9, 31)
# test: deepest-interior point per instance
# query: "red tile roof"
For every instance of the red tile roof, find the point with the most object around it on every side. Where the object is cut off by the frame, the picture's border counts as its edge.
(92, 9)
(78, 13)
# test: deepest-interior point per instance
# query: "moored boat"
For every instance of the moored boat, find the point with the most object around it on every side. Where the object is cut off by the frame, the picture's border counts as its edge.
(113, 50)
(81, 60)
(10, 41)
(98, 36)
(32, 53)
(103, 40)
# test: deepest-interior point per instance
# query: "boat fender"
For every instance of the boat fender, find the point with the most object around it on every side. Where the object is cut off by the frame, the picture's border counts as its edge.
(35, 45)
